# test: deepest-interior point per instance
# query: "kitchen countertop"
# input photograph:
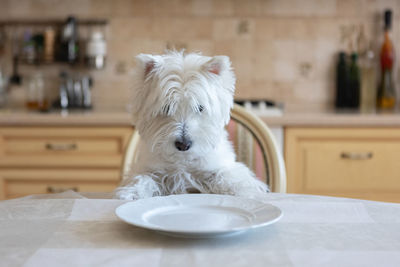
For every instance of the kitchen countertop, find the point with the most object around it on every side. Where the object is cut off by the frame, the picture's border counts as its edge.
(298, 118)
(332, 118)
(65, 118)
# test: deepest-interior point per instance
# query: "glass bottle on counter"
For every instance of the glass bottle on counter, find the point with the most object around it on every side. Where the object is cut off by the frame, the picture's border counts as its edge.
(341, 81)
(347, 82)
(368, 82)
(386, 98)
(354, 83)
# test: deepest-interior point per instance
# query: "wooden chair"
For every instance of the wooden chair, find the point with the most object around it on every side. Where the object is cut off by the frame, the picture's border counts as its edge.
(254, 145)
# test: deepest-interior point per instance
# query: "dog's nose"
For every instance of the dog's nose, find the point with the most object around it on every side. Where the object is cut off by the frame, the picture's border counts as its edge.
(183, 145)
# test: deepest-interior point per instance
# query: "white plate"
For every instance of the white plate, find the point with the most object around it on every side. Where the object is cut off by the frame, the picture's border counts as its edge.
(198, 215)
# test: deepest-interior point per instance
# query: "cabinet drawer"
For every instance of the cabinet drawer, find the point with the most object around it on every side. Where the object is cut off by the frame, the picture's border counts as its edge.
(351, 165)
(18, 183)
(16, 188)
(361, 163)
(48, 145)
(61, 147)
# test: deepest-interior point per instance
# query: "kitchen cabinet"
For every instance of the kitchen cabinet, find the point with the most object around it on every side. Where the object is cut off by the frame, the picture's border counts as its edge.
(348, 162)
(35, 160)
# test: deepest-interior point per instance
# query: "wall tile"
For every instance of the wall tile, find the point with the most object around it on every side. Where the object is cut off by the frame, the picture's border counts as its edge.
(126, 28)
(224, 47)
(264, 29)
(172, 8)
(281, 50)
(264, 58)
(162, 28)
(228, 28)
(142, 7)
(263, 90)
(49, 8)
(284, 70)
(315, 93)
(375, 8)
(247, 8)
(350, 8)
(223, 7)
(299, 7)
(326, 55)
(129, 8)
(150, 46)
(224, 29)
(191, 28)
(5, 9)
(205, 47)
(202, 8)
(282, 91)
(99, 8)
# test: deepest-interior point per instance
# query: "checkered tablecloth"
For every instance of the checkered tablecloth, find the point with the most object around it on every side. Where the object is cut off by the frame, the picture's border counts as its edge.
(72, 230)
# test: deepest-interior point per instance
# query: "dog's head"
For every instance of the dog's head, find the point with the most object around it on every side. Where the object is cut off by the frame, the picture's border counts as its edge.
(181, 103)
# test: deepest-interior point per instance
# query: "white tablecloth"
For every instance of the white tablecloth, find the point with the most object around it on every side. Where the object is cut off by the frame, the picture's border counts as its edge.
(315, 231)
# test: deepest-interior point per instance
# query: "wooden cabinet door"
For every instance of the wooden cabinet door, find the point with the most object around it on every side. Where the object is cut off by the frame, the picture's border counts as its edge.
(38, 160)
(360, 163)
(62, 146)
(21, 182)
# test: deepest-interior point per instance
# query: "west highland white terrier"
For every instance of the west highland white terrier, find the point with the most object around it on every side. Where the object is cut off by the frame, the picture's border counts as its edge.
(181, 105)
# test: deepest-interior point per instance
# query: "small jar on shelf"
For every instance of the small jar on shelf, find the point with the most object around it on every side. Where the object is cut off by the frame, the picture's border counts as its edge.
(36, 95)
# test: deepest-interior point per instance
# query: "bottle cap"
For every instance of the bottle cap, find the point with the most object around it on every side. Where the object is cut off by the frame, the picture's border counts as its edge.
(370, 54)
(342, 55)
(71, 19)
(388, 19)
(354, 56)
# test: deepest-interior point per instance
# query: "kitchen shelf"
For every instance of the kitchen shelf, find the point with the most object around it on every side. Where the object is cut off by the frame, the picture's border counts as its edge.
(51, 22)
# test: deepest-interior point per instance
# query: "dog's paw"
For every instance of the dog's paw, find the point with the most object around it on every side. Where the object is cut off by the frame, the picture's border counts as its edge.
(251, 192)
(126, 193)
(140, 186)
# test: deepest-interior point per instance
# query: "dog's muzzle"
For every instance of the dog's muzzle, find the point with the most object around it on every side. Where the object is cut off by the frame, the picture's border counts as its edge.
(183, 145)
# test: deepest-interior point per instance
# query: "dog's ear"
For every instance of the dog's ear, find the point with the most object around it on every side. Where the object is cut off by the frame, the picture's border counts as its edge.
(218, 64)
(146, 63)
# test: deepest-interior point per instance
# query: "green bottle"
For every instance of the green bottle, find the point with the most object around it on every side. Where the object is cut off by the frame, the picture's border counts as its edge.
(342, 73)
(354, 83)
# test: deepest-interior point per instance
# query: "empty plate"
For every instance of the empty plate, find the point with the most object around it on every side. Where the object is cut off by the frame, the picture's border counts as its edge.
(198, 215)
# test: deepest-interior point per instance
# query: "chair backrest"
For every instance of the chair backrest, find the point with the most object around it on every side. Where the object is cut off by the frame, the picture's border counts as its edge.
(254, 145)
(131, 153)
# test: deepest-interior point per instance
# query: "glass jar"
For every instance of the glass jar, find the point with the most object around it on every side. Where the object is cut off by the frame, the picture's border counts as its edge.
(36, 97)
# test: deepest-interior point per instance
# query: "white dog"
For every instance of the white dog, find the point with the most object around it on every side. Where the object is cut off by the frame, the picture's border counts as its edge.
(181, 106)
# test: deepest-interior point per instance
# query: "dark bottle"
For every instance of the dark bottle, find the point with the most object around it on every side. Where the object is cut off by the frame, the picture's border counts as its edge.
(68, 50)
(354, 83)
(386, 98)
(341, 81)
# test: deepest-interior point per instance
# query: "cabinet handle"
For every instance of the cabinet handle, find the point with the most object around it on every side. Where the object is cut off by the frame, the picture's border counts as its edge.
(356, 156)
(61, 147)
(52, 189)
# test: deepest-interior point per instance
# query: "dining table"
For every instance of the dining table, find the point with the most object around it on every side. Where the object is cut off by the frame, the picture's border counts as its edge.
(82, 229)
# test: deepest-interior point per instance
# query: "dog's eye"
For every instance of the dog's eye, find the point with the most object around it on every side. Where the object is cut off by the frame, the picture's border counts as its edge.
(201, 108)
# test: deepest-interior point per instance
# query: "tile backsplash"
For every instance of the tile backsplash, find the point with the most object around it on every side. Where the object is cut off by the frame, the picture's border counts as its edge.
(284, 50)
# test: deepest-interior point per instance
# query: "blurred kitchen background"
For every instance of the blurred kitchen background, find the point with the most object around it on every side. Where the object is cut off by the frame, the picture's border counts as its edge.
(284, 51)
(65, 80)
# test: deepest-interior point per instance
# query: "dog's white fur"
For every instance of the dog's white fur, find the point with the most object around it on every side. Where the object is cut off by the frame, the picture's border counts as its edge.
(179, 97)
